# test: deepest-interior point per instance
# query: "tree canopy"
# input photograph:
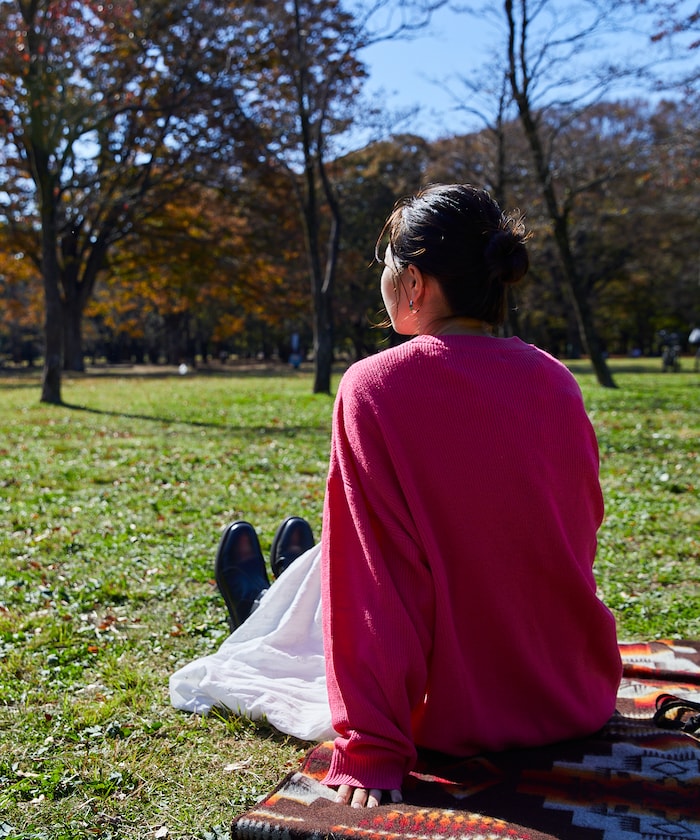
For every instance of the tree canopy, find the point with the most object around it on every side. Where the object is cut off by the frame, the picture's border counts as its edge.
(106, 109)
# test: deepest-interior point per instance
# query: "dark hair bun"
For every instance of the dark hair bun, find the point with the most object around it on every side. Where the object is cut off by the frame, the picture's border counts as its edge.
(505, 255)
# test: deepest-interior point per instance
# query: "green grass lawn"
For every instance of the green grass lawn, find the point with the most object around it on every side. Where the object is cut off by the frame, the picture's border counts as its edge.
(111, 508)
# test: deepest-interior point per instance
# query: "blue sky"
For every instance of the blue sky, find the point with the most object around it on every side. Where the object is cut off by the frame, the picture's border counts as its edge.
(406, 70)
(462, 44)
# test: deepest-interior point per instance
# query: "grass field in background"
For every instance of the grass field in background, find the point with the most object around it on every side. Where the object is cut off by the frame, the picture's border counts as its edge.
(111, 508)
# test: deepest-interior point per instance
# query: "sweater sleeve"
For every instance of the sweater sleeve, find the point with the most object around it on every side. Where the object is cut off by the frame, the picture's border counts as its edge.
(378, 603)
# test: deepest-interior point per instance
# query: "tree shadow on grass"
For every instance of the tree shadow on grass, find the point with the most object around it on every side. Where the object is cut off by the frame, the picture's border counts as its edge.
(287, 431)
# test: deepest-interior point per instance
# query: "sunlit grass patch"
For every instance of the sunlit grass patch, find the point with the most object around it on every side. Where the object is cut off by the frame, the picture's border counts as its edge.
(649, 548)
(112, 508)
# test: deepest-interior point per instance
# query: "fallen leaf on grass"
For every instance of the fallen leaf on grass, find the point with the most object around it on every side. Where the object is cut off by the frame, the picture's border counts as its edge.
(106, 622)
(238, 765)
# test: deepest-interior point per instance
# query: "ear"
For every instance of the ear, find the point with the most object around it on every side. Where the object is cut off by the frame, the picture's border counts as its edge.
(416, 284)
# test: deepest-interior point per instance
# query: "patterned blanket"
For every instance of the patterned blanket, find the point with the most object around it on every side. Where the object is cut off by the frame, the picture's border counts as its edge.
(632, 780)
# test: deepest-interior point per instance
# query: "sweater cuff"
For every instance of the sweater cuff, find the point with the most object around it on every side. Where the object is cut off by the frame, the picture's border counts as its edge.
(369, 768)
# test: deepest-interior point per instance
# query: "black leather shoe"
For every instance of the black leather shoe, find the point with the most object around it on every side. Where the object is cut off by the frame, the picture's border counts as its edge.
(294, 536)
(240, 571)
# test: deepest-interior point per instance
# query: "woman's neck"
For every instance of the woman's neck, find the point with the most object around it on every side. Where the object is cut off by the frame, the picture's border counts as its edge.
(460, 326)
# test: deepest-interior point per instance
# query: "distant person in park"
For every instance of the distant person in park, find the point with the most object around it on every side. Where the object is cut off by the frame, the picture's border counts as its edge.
(459, 531)
(694, 340)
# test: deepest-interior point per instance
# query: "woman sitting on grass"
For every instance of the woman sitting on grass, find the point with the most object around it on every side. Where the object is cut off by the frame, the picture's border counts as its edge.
(459, 531)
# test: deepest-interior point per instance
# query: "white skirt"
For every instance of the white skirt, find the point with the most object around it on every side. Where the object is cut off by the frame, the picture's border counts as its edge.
(272, 666)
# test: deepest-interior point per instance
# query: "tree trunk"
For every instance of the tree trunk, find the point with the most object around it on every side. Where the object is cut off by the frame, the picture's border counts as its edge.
(321, 292)
(520, 77)
(323, 322)
(39, 158)
(73, 357)
(77, 291)
(53, 309)
(578, 298)
(323, 308)
(53, 337)
(323, 348)
(573, 285)
(321, 286)
(325, 331)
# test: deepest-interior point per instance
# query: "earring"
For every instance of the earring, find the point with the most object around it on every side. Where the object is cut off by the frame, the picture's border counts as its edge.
(410, 304)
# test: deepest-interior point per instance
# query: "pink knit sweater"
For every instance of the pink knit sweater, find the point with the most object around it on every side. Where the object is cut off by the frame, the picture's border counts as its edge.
(459, 533)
